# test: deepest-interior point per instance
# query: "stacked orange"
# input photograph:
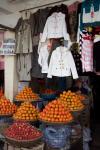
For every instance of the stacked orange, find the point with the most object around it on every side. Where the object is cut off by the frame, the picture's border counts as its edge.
(73, 101)
(56, 112)
(26, 112)
(26, 94)
(6, 107)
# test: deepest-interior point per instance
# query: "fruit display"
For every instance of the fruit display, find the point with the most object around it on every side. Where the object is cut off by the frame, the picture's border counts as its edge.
(26, 94)
(26, 112)
(21, 131)
(73, 101)
(55, 112)
(6, 107)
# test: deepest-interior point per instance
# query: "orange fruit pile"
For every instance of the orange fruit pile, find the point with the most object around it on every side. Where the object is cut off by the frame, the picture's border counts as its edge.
(73, 101)
(6, 107)
(26, 94)
(56, 112)
(26, 112)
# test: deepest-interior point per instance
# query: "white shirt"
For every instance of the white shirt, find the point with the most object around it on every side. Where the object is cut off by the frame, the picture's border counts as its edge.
(43, 58)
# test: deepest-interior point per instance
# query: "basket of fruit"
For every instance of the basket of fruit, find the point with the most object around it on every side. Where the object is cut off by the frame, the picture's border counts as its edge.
(26, 112)
(48, 94)
(72, 101)
(55, 113)
(22, 134)
(7, 108)
(26, 95)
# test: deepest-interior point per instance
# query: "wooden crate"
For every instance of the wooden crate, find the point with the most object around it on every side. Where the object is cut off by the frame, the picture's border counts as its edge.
(40, 146)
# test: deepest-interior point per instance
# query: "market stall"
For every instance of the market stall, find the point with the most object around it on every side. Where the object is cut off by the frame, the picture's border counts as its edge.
(48, 61)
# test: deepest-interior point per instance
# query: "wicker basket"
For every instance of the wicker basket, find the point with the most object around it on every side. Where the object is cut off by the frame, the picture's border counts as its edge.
(24, 143)
(39, 146)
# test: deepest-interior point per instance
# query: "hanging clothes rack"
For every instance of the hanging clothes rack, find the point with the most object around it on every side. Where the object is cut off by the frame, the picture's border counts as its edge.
(45, 5)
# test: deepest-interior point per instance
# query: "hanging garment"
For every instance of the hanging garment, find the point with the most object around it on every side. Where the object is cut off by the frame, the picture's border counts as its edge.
(23, 37)
(90, 14)
(38, 20)
(87, 52)
(62, 64)
(43, 58)
(55, 27)
(24, 66)
(77, 59)
(96, 56)
(36, 69)
(63, 9)
(73, 19)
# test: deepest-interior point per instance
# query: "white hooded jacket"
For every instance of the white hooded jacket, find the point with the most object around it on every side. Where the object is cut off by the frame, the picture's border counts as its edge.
(62, 64)
(55, 27)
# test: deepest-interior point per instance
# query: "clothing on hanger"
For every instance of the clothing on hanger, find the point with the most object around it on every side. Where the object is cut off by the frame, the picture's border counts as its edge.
(43, 58)
(73, 19)
(24, 66)
(96, 56)
(23, 37)
(55, 27)
(63, 9)
(38, 20)
(77, 58)
(62, 64)
(36, 69)
(87, 51)
(90, 14)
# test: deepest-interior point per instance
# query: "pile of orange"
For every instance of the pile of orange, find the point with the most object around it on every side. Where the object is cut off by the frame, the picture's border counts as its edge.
(6, 107)
(55, 112)
(26, 94)
(26, 112)
(71, 100)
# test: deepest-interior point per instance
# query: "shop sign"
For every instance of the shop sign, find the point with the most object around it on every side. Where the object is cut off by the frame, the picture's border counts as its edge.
(8, 46)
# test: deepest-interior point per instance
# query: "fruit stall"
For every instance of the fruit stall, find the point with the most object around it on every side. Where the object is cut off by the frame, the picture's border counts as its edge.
(57, 124)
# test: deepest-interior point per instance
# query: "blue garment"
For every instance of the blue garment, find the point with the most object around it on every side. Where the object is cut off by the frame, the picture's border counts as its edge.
(87, 4)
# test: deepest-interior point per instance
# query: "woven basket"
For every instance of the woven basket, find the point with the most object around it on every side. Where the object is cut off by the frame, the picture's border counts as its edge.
(24, 143)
